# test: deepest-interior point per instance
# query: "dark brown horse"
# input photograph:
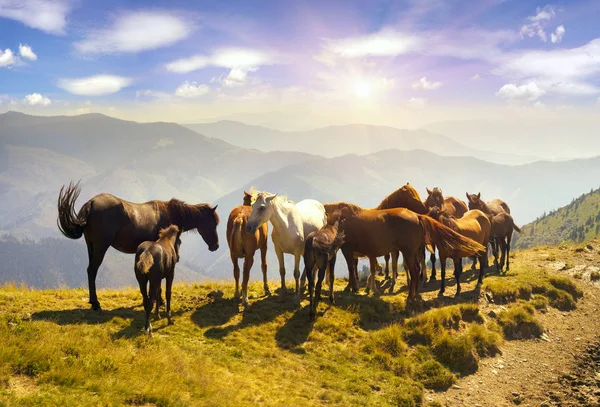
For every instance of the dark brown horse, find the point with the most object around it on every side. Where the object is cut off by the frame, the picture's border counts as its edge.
(502, 230)
(474, 225)
(106, 221)
(320, 251)
(153, 262)
(243, 245)
(373, 233)
(450, 205)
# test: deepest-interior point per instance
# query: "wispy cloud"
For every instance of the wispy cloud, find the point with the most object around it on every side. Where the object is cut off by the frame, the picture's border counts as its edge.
(191, 90)
(46, 15)
(26, 52)
(527, 92)
(225, 58)
(94, 85)
(423, 83)
(136, 31)
(536, 24)
(35, 99)
(558, 34)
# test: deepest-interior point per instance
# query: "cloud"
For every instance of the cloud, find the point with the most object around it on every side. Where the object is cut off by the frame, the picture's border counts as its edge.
(417, 102)
(225, 58)
(46, 15)
(94, 85)
(423, 83)
(35, 99)
(26, 52)
(386, 42)
(7, 58)
(236, 77)
(536, 24)
(136, 31)
(191, 90)
(475, 77)
(566, 71)
(558, 34)
(527, 92)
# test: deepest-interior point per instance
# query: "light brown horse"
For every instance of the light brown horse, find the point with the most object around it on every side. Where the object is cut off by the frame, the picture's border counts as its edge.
(451, 205)
(320, 250)
(153, 262)
(106, 221)
(473, 224)
(502, 230)
(373, 233)
(243, 245)
(491, 208)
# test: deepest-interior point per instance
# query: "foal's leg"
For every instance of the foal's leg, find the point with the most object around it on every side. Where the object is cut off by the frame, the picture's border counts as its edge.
(236, 275)
(157, 283)
(169, 285)
(309, 265)
(248, 262)
(331, 267)
(263, 267)
(143, 282)
(395, 256)
(297, 257)
(322, 262)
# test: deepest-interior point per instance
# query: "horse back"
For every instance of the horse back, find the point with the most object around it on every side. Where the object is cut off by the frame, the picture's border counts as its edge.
(475, 225)
(313, 215)
(455, 207)
(498, 206)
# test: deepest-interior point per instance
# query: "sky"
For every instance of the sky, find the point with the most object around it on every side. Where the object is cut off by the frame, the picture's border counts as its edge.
(302, 63)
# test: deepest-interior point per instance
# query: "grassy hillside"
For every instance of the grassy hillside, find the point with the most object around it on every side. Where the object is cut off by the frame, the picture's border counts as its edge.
(576, 222)
(361, 351)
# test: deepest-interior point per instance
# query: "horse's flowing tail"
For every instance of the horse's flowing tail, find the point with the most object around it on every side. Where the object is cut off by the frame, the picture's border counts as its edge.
(452, 243)
(144, 263)
(518, 229)
(70, 223)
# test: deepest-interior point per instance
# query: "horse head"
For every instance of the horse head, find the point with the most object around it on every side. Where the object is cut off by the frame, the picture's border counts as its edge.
(434, 198)
(475, 201)
(262, 209)
(207, 226)
(435, 212)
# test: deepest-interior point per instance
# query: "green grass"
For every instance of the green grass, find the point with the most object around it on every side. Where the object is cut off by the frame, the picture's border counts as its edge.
(363, 350)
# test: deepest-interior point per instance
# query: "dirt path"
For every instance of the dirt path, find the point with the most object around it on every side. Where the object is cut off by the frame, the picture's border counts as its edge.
(560, 369)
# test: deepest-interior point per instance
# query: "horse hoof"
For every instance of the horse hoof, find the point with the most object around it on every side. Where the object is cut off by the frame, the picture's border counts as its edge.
(267, 293)
(96, 306)
(171, 322)
(331, 300)
(441, 294)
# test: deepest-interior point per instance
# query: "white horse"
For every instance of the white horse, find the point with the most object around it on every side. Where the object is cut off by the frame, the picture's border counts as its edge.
(292, 223)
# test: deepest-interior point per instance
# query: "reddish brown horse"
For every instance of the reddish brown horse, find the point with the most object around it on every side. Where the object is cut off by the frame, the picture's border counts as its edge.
(373, 233)
(451, 206)
(473, 224)
(106, 221)
(502, 230)
(243, 245)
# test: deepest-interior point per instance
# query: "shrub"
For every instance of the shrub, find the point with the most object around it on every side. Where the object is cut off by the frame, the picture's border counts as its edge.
(457, 352)
(518, 322)
(434, 376)
(487, 342)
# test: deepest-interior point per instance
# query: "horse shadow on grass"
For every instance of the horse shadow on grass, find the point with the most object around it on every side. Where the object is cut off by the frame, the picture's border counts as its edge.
(257, 313)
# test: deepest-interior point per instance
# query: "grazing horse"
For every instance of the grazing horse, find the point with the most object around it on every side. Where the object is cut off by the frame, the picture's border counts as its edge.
(491, 208)
(153, 262)
(473, 224)
(244, 245)
(106, 221)
(373, 233)
(320, 252)
(292, 223)
(502, 230)
(451, 205)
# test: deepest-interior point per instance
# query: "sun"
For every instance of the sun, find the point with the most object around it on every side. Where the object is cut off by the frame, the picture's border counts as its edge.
(362, 89)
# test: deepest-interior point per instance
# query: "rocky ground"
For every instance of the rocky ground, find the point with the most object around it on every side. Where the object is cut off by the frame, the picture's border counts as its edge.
(562, 368)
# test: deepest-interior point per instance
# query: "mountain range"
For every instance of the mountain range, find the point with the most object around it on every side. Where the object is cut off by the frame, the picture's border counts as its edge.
(139, 162)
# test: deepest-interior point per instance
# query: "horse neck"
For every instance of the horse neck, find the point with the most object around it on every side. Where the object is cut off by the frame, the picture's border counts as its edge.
(397, 201)
(280, 217)
(183, 215)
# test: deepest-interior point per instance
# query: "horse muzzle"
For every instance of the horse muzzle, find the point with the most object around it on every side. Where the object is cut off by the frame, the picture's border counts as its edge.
(214, 248)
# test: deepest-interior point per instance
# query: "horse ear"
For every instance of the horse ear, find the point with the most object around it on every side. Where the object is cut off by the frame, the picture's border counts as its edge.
(246, 194)
(468, 196)
(270, 198)
(215, 208)
(429, 190)
(479, 195)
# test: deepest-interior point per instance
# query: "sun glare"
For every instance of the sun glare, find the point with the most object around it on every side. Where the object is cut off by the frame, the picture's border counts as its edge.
(362, 89)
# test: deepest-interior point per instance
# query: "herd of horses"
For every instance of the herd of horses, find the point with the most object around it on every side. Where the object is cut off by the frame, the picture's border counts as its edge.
(309, 230)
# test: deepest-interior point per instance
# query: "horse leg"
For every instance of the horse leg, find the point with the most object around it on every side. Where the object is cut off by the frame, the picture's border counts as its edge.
(331, 267)
(495, 247)
(395, 256)
(297, 257)
(236, 275)
(508, 239)
(263, 267)
(157, 295)
(432, 259)
(387, 267)
(248, 262)
(322, 269)
(503, 252)
(309, 264)
(474, 265)
(407, 271)
(372, 276)
(413, 269)
(443, 276)
(458, 272)
(352, 280)
(169, 285)
(143, 282)
(96, 252)
(279, 254)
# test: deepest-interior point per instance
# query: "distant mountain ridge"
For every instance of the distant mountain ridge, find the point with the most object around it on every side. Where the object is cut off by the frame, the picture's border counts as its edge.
(335, 141)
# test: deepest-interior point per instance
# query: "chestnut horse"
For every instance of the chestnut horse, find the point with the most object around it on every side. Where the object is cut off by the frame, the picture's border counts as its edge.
(243, 245)
(106, 221)
(474, 225)
(373, 233)
(320, 252)
(451, 205)
(153, 262)
(502, 230)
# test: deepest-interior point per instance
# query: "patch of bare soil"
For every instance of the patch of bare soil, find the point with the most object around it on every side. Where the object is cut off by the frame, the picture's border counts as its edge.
(562, 368)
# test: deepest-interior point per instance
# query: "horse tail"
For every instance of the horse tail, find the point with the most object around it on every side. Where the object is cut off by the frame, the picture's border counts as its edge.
(452, 243)
(144, 263)
(518, 229)
(69, 223)
(236, 236)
